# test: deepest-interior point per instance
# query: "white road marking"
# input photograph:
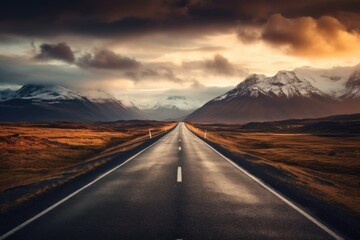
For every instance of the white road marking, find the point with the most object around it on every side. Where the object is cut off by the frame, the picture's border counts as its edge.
(284, 199)
(14, 230)
(179, 140)
(179, 175)
(179, 148)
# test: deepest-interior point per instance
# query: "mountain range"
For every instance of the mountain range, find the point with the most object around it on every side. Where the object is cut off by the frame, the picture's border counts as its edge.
(171, 108)
(301, 93)
(55, 103)
(35, 102)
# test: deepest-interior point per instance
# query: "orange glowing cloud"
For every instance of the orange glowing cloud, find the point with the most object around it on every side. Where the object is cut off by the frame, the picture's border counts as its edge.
(309, 37)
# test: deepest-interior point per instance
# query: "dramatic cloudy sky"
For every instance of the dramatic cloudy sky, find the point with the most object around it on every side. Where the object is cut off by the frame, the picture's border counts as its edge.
(149, 48)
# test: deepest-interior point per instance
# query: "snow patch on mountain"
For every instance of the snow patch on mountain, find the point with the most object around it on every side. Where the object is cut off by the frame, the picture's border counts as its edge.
(48, 93)
(54, 94)
(177, 102)
(6, 94)
(337, 83)
(173, 102)
(100, 96)
(129, 102)
(330, 81)
(56, 103)
(352, 89)
(283, 84)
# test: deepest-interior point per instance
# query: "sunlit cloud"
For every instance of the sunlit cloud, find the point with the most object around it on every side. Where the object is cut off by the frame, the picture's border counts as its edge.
(309, 37)
(157, 45)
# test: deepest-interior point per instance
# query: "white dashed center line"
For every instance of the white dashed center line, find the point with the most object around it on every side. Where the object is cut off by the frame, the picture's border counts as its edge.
(179, 175)
(179, 148)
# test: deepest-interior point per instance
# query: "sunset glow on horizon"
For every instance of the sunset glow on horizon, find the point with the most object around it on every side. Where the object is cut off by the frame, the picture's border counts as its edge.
(157, 46)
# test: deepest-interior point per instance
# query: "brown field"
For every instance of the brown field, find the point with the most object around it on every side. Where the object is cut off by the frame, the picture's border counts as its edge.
(325, 166)
(33, 152)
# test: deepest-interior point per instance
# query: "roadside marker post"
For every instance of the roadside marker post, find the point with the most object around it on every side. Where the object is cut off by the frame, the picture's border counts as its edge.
(205, 134)
(150, 134)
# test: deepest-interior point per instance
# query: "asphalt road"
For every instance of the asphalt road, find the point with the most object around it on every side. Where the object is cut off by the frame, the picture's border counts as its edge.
(177, 189)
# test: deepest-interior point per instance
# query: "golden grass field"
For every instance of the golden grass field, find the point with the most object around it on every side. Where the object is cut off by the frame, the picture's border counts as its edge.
(33, 152)
(327, 167)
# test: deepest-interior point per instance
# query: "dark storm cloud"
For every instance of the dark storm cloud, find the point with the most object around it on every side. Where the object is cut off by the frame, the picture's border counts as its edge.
(94, 66)
(107, 59)
(111, 18)
(350, 20)
(218, 65)
(60, 51)
(100, 58)
(100, 61)
(19, 71)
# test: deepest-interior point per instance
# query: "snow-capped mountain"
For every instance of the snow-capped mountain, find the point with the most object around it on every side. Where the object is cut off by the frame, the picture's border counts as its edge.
(177, 102)
(56, 103)
(6, 94)
(50, 94)
(301, 93)
(171, 107)
(129, 102)
(284, 83)
(352, 86)
(330, 81)
(100, 96)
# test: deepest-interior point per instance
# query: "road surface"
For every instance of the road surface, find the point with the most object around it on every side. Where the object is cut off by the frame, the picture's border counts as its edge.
(177, 189)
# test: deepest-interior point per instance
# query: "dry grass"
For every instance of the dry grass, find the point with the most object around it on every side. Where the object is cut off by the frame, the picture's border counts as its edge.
(31, 153)
(327, 167)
